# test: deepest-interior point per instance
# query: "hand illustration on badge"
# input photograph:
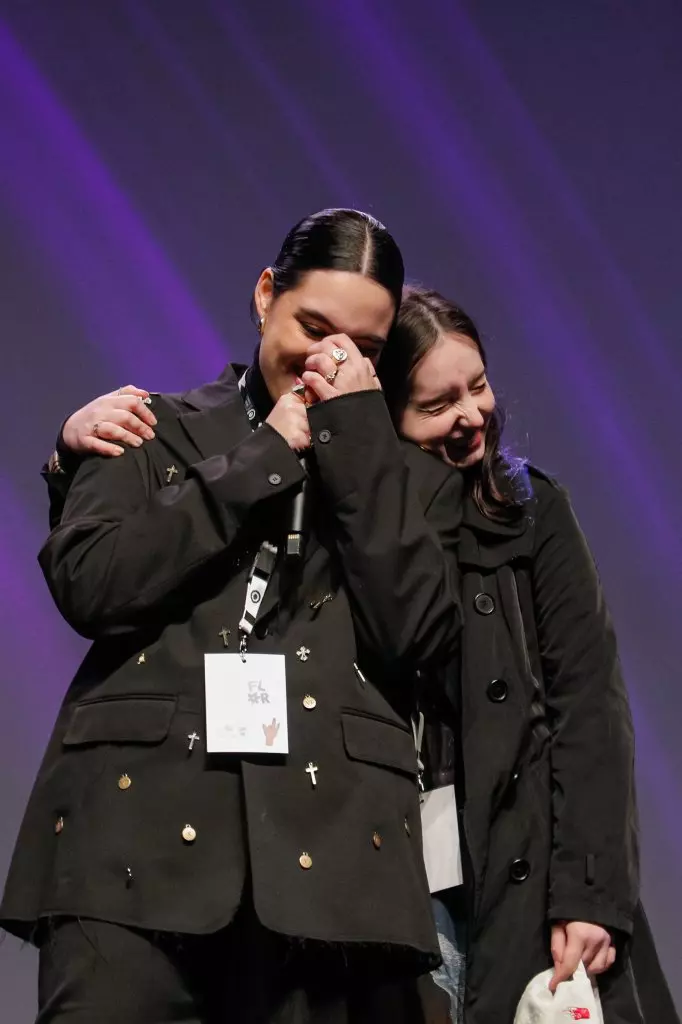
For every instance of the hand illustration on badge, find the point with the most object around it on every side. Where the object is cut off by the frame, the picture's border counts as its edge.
(270, 732)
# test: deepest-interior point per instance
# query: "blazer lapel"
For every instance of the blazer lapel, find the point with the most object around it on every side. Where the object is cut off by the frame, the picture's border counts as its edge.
(215, 420)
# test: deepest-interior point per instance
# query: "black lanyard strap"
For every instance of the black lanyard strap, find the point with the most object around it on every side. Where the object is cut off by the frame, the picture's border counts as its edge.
(264, 562)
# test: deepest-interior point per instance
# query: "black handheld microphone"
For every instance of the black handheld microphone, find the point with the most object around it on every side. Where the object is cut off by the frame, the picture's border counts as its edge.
(295, 539)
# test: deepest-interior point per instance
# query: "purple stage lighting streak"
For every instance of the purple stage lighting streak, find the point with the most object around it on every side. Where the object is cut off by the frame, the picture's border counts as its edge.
(243, 162)
(473, 190)
(537, 160)
(132, 302)
(292, 109)
(35, 640)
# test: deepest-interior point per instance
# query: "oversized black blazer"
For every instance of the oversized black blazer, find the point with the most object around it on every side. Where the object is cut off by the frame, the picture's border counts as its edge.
(151, 560)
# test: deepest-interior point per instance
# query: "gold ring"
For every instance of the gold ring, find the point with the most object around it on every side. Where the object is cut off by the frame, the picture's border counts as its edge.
(331, 377)
(95, 429)
(339, 355)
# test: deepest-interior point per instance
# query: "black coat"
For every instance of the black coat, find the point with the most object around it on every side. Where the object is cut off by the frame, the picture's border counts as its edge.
(152, 564)
(545, 777)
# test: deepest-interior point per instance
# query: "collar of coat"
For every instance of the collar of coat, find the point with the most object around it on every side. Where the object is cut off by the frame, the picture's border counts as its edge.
(486, 544)
(214, 413)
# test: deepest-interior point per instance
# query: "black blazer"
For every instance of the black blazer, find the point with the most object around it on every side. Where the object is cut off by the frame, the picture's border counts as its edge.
(150, 560)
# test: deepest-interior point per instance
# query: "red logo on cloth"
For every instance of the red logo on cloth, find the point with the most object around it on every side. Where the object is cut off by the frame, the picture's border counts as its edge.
(579, 1013)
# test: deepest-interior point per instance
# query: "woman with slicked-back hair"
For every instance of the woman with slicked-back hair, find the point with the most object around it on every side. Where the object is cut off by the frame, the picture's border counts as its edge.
(226, 823)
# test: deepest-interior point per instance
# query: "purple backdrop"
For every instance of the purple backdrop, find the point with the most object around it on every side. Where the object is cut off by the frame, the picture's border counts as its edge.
(528, 158)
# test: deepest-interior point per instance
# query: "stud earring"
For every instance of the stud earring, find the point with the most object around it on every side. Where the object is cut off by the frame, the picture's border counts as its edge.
(261, 325)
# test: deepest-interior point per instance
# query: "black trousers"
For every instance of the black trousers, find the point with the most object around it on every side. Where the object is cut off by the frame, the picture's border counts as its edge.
(94, 972)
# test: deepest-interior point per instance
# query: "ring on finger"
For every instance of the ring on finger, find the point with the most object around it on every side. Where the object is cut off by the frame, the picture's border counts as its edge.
(339, 355)
(331, 377)
(95, 429)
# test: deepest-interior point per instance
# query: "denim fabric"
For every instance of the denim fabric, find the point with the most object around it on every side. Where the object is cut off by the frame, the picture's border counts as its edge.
(449, 909)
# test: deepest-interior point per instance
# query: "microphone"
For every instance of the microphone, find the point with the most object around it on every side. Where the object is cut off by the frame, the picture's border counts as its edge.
(295, 542)
(295, 539)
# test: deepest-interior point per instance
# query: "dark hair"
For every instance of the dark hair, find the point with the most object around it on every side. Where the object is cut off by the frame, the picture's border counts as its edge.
(497, 483)
(339, 240)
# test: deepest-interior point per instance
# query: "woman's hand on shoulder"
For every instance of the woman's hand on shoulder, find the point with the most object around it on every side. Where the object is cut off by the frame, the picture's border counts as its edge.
(328, 378)
(573, 941)
(110, 421)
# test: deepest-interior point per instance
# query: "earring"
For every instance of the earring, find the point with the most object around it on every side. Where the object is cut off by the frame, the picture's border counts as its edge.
(261, 325)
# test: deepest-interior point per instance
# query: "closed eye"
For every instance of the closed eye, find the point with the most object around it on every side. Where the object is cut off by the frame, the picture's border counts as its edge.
(436, 409)
(318, 333)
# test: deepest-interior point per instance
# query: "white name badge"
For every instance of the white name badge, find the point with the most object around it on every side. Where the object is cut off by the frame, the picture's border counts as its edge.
(440, 829)
(246, 704)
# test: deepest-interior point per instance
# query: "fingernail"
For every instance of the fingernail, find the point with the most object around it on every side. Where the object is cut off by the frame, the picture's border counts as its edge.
(154, 420)
(118, 451)
(137, 442)
(149, 434)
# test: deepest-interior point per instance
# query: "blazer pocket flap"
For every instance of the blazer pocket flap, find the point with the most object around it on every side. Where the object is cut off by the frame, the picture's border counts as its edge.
(377, 742)
(121, 720)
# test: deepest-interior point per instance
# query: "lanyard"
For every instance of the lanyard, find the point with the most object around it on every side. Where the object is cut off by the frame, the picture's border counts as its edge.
(264, 562)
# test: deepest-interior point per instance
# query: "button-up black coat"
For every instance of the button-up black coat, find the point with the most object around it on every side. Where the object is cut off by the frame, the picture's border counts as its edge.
(546, 770)
(152, 564)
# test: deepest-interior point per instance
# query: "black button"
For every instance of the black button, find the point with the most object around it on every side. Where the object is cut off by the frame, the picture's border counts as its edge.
(484, 604)
(261, 631)
(274, 479)
(324, 436)
(519, 870)
(498, 691)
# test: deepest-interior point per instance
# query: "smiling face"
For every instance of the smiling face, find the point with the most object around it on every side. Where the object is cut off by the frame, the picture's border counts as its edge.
(323, 303)
(451, 402)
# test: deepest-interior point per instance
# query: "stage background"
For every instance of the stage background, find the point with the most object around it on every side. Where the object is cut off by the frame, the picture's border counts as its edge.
(528, 158)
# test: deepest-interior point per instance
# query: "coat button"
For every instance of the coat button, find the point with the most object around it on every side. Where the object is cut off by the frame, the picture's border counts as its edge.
(309, 702)
(484, 604)
(324, 436)
(306, 861)
(125, 782)
(498, 691)
(376, 841)
(58, 826)
(189, 834)
(519, 870)
(274, 479)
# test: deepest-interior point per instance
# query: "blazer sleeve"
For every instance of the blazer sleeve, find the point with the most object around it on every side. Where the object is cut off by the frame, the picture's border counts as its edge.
(125, 545)
(399, 559)
(594, 866)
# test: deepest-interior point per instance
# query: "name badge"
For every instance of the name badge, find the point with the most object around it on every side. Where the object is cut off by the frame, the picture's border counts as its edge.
(440, 829)
(246, 704)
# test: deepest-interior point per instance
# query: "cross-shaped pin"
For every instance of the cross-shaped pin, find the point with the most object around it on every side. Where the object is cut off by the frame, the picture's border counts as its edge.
(224, 633)
(312, 771)
(170, 473)
(193, 737)
(303, 653)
